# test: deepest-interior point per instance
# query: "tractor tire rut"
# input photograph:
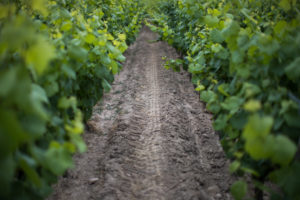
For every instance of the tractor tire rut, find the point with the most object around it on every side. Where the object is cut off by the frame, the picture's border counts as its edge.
(150, 138)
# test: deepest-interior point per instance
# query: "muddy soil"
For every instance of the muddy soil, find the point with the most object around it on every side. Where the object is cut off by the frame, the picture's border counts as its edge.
(150, 138)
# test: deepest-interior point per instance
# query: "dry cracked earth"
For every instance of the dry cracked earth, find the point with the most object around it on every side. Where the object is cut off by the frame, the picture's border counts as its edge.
(150, 138)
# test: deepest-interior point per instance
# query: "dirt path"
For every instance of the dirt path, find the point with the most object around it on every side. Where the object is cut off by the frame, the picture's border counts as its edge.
(152, 139)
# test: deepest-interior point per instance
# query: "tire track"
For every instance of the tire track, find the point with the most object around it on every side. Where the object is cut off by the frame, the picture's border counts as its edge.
(152, 134)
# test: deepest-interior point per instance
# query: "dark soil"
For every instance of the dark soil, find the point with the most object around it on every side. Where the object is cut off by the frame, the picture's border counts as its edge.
(150, 138)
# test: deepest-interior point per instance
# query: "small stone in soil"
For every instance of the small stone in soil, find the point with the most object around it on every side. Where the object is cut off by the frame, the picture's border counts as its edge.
(93, 180)
(212, 190)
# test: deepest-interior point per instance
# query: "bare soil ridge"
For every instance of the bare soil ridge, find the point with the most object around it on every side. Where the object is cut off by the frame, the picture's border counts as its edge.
(149, 139)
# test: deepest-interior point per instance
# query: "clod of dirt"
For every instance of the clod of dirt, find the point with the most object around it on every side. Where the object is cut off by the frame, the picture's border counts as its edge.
(150, 138)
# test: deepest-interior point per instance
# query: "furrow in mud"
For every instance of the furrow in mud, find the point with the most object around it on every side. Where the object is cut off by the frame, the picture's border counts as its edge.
(150, 138)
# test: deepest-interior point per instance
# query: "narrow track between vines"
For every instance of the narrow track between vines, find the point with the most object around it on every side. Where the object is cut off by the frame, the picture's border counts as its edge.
(150, 138)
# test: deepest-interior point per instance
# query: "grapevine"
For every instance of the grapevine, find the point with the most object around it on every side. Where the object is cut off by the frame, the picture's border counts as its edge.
(244, 60)
(57, 59)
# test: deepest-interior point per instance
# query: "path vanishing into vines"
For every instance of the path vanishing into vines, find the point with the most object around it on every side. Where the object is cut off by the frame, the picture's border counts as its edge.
(150, 138)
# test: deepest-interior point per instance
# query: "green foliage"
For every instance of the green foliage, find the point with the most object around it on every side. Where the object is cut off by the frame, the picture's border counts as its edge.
(244, 59)
(56, 60)
(239, 190)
